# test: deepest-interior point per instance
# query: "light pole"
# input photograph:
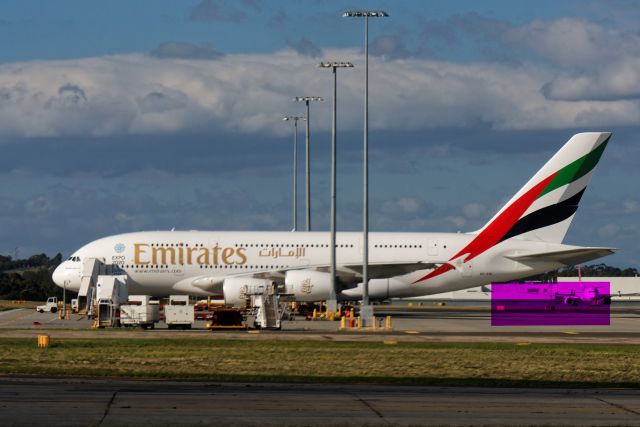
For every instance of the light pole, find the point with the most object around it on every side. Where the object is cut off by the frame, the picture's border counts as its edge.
(295, 167)
(366, 310)
(306, 100)
(332, 302)
(64, 300)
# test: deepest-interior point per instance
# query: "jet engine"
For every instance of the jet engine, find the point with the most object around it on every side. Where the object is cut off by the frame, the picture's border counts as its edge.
(308, 285)
(572, 301)
(237, 289)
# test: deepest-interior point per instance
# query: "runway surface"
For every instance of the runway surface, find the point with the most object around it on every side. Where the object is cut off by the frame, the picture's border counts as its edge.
(78, 402)
(417, 324)
(85, 402)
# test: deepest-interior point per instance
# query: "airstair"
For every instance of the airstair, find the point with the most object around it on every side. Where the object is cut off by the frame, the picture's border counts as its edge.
(91, 269)
(266, 308)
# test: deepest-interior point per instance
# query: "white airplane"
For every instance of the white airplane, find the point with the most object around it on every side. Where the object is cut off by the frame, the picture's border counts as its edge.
(524, 238)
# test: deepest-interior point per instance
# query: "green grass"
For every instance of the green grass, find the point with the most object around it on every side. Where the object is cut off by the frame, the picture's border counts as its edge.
(313, 361)
(9, 305)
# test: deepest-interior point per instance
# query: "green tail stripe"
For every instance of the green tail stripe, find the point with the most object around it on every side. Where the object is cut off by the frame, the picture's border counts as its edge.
(576, 169)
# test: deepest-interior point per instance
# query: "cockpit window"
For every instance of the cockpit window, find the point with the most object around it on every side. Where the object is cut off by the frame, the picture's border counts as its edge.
(74, 259)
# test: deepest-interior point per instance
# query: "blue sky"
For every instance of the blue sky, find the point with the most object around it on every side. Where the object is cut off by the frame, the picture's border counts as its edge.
(119, 116)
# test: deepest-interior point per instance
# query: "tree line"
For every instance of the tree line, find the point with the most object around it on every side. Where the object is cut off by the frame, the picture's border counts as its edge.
(30, 278)
(598, 270)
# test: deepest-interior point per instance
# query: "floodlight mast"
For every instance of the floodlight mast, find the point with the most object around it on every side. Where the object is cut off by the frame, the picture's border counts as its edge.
(332, 301)
(295, 167)
(306, 100)
(366, 308)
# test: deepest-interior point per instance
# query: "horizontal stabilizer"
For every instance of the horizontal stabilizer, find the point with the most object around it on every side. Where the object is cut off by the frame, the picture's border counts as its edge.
(566, 257)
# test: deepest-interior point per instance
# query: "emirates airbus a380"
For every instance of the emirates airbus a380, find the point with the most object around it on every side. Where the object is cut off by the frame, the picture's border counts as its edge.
(522, 239)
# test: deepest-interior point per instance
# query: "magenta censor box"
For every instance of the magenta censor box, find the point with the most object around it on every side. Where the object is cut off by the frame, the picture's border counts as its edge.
(550, 304)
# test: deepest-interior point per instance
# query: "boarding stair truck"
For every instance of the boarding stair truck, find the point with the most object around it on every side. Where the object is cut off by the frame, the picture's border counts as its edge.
(140, 310)
(50, 306)
(111, 291)
(90, 270)
(179, 313)
(266, 307)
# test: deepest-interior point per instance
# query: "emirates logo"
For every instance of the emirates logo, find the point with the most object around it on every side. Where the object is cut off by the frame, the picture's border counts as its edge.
(306, 286)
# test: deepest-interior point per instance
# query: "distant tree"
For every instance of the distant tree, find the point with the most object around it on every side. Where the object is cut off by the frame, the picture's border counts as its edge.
(33, 281)
(56, 260)
(598, 270)
(595, 270)
(38, 261)
(5, 262)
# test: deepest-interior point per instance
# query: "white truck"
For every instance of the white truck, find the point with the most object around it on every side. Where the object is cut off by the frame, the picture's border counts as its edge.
(140, 310)
(51, 306)
(179, 313)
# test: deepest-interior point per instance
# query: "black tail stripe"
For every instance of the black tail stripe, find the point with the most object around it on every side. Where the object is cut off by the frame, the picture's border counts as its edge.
(546, 216)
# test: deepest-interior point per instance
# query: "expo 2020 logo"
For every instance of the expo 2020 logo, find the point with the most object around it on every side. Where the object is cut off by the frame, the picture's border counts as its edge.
(119, 248)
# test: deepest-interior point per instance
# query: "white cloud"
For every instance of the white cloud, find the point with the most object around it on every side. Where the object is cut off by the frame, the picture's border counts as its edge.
(39, 205)
(631, 206)
(409, 204)
(596, 63)
(571, 42)
(248, 93)
(402, 205)
(589, 60)
(609, 230)
(456, 221)
(474, 210)
(607, 81)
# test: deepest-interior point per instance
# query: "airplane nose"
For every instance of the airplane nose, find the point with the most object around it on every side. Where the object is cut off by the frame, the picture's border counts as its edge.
(58, 276)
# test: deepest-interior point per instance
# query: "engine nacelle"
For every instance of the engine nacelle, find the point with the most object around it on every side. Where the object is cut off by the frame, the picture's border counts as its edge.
(236, 289)
(308, 285)
(572, 301)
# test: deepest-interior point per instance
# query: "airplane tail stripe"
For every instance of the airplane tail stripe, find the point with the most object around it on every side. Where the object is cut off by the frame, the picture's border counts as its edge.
(492, 234)
(576, 169)
(546, 216)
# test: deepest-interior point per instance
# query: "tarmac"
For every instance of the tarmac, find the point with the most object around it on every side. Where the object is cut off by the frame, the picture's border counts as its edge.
(93, 402)
(416, 324)
(79, 402)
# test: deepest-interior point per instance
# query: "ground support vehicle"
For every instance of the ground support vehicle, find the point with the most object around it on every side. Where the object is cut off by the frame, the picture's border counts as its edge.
(140, 310)
(179, 313)
(50, 306)
(226, 318)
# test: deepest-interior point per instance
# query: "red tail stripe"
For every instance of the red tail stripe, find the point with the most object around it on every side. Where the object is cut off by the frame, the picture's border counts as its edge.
(493, 232)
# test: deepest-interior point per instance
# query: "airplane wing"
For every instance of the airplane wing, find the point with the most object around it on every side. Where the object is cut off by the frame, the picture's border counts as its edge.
(567, 256)
(380, 271)
(346, 273)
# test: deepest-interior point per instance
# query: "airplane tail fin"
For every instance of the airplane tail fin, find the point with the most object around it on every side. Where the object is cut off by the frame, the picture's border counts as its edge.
(544, 208)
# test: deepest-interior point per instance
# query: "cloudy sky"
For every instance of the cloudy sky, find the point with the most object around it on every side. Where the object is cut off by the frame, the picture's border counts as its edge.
(120, 116)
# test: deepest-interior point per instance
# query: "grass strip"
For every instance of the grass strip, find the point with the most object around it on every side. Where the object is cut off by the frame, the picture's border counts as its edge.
(468, 364)
(6, 305)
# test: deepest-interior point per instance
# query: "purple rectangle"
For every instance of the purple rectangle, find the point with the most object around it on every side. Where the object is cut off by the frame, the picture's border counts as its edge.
(551, 304)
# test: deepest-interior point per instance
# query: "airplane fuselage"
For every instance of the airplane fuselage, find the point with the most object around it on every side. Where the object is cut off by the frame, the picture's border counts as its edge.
(196, 263)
